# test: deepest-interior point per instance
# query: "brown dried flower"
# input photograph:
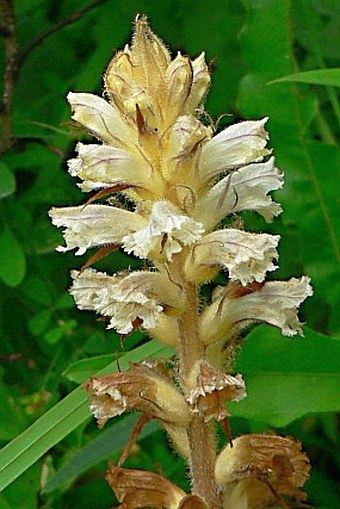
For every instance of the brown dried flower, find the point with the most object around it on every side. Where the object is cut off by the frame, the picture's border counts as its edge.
(142, 389)
(212, 389)
(140, 489)
(259, 469)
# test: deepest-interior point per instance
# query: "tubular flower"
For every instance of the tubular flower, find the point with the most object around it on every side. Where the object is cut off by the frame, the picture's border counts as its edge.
(212, 389)
(274, 302)
(141, 388)
(140, 489)
(166, 181)
(247, 256)
(166, 233)
(140, 295)
(258, 469)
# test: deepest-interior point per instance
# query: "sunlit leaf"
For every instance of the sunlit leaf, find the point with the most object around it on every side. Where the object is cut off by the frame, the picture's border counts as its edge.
(79, 371)
(288, 378)
(329, 77)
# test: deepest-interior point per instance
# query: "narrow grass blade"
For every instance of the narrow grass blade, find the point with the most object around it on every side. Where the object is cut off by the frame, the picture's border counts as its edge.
(60, 420)
(329, 77)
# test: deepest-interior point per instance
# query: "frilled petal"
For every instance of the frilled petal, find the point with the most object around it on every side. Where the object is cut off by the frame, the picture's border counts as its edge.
(141, 388)
(212, 389)
(258, 469)
(165, 234)
(245, 189)
(137, 489)
(247, 256)
(274, 302)
(138, 298)
(236, 146)
(101, 119)
(94, 225)
(104, 166)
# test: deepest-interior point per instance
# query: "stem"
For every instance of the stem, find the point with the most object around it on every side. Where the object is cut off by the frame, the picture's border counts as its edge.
(10, 72)
(72, 18)
(201, 434)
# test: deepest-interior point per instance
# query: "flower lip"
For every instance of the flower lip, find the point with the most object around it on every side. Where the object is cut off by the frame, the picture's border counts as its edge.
(245, 189)
(235, 146)
(104, 166)
(126, 300)
(273, 302)
(94, 225)
(165, 234)
(247, 256)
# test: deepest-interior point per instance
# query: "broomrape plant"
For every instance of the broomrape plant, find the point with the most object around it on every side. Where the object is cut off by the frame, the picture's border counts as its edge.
(183, 180)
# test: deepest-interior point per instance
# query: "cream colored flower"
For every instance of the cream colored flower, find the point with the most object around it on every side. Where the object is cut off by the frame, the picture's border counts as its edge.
(138, 298)
(101, 119)
(163, 89)
(243, 189)
(103, 166)
(166, 233)
(274, 302)
(94, 225)
(236, 146)
(247, 256)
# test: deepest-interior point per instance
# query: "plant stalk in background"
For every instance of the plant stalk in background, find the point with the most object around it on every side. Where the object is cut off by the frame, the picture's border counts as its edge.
(183, 180)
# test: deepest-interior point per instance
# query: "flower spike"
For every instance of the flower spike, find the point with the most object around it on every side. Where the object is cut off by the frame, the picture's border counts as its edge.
(171, 191)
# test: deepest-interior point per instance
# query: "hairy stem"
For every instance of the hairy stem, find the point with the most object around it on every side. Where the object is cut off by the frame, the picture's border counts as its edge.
(201, 434)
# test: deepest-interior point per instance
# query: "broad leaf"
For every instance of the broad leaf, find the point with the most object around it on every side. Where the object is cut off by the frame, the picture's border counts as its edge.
(288, 378)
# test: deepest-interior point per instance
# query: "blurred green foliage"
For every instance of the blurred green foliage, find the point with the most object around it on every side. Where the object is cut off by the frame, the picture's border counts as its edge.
(293, 385)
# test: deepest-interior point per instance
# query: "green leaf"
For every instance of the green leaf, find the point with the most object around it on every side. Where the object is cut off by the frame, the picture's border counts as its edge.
(60, 420)
(309, 196)
(81, 370)
(7, 181)
(330, 77)
(12, 259)
(109, 442)
(39, 322)
(287, 379)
